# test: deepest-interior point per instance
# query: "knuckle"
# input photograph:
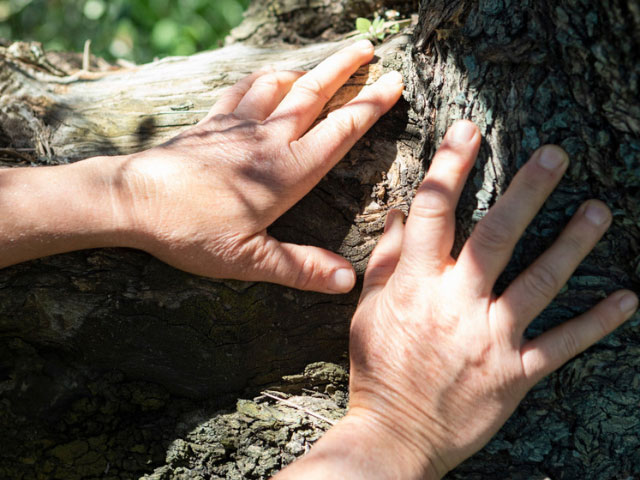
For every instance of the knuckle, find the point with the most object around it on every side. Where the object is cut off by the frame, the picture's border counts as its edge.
(310, 86)
(260, 255)
(531, 184)
(493, 234)
(382, 265)
(297, 152)
(345, 122)
(542, 280)
(271, 81)
(430, 202)
(602, 321)
(306, 274)
(575, 242)
(217, 118)
(570, 343)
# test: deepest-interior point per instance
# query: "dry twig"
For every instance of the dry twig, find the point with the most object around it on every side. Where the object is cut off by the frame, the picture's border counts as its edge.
(298, 407)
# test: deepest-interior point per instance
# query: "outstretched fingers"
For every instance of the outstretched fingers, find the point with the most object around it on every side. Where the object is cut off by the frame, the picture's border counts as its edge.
(313, 155)
(534, 288)
(552, 349)
(309, 94)
(431, 224)
(489, 248)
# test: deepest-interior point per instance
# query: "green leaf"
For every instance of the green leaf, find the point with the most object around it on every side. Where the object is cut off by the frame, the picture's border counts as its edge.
(363, 25)
(378, 24)
(394, 28)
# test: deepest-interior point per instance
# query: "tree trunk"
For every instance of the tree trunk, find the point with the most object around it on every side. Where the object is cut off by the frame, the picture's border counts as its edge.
(112, 363)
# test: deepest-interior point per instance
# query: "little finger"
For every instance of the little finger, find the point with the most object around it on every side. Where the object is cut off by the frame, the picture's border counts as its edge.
(552, 349)
(231, 96)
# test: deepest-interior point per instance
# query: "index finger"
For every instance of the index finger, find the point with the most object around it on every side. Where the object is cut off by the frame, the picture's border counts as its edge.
(308, 96)
(431, 223)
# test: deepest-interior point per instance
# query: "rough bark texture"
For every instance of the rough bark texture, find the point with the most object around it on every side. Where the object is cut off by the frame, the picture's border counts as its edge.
(304, 22)
(113, 364)
(531, 73)
(105, 352)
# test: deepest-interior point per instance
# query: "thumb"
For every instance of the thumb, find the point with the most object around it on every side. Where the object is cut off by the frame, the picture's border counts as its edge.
(385, 256)
(302, 267)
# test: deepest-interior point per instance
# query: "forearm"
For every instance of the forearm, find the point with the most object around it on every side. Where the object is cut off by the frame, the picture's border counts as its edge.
(355, 449)
(49, 210)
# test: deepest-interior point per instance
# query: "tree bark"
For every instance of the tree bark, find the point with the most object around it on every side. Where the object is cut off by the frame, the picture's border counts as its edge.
(110, 359)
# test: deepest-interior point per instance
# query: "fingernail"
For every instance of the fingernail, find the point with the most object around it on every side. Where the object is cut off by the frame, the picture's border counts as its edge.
(365, 45)
(342, 280)
(628, 303)
(596, 214)
(391, 78)
(461, 132)
(551, 158)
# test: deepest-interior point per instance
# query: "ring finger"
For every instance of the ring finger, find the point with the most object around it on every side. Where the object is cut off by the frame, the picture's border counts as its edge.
(491, 244)
(265, 95)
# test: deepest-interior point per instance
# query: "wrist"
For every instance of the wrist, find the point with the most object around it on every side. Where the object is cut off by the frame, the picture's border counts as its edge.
(359, 447)
(50, 210)
(397, 454)
(106, 201)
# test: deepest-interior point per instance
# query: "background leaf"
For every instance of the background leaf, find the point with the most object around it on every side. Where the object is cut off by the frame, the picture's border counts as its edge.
(137, 30)
(363, 25)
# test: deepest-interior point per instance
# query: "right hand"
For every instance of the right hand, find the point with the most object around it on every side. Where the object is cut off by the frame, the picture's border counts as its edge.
(438, 361)
(202, 202)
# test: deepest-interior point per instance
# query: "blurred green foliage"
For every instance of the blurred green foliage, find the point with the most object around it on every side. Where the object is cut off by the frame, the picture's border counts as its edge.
(136, 30)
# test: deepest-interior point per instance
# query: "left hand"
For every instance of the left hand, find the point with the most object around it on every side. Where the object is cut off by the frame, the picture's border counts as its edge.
(202, 202)
(438, 361)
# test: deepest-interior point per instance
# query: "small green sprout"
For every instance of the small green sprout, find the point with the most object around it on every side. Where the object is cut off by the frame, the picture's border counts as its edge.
(377, 29)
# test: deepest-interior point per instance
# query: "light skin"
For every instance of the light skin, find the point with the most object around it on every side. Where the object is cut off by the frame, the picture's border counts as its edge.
(202, 202)
(438, 361)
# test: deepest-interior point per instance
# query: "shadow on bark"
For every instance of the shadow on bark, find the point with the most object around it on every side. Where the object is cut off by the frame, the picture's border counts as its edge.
(529, 74)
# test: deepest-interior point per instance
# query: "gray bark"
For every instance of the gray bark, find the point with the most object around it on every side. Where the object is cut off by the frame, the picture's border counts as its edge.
(113, 364)
(531, 73)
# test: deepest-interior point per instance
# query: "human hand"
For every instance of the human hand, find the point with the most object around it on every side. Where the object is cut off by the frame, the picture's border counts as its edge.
(439, 362)
(202, 202)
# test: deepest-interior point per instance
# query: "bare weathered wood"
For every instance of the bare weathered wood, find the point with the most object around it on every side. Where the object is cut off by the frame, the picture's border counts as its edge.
(127, 110)
(65, 118)
(67, 319)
